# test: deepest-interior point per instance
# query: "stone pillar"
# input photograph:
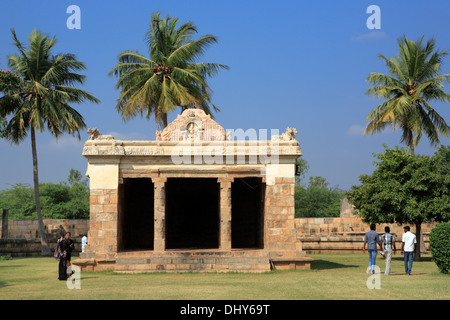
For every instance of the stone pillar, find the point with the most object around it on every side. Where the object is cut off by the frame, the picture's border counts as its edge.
(280, 233)
(225, 213)
(102, 235)
(159, 242)
(104, 205)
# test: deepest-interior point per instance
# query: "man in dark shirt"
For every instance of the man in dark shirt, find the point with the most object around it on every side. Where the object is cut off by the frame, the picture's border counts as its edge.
(66, 246)
(371, 239)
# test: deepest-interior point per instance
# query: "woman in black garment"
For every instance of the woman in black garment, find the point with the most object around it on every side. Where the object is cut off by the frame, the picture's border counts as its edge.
(66, 246)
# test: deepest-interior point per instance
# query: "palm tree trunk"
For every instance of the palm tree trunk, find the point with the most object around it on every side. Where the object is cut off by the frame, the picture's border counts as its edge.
(420, 246)
(412, 148)
(45, 250)
(164, 119)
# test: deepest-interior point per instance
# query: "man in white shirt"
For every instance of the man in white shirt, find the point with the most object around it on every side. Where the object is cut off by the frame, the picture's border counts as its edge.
(408, 242)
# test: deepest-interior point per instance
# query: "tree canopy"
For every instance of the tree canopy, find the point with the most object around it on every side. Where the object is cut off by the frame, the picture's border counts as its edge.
(405, 188)
(170, 77)
(43, 98)
(65, 200)
(412, 84)
(316, 198)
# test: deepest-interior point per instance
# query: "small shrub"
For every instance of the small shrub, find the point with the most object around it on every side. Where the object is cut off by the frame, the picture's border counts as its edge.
(5, 257)
(440, 246)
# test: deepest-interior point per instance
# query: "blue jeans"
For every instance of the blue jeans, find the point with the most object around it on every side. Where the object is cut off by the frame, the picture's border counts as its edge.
(408, 258)
(372, 257)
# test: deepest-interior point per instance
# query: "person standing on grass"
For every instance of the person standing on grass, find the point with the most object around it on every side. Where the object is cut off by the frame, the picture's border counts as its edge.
(66, 246)
(408, 242)
(84, 242)
(371, 239)
(388, 244)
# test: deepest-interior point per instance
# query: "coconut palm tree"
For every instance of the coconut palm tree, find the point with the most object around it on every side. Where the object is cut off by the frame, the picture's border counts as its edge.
(42, 101)
(412, 83)
(170, 77)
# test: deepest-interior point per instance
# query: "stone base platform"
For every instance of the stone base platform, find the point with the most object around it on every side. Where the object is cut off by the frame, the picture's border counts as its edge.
(255, 261)
(295, 263)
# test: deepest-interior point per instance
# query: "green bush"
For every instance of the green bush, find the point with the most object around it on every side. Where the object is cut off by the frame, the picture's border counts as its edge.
(440, 246)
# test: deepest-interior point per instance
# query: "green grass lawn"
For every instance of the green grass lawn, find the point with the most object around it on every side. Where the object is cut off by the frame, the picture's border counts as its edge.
(337, 276)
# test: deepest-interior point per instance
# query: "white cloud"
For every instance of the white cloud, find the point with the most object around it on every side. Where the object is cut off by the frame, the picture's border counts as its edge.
(355, 130)
(370, 36)
(65, 142)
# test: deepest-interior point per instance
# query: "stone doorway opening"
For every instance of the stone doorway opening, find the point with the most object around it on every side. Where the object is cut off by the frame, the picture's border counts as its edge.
(247, 213)
(192, 213)
(136, 214)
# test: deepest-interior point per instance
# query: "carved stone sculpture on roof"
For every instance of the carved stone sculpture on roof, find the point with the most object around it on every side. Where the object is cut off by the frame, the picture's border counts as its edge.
(192, 125)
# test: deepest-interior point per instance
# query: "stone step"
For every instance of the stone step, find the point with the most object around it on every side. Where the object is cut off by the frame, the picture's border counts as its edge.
(182, 261)
(193, 267)
(192, 260)
(192, 253)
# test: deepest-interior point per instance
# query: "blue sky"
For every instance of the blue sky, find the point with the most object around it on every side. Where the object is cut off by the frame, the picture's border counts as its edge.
(299, 64)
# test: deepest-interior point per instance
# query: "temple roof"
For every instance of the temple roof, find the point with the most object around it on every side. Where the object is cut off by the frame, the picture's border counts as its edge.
(192, 125)
(194, 132)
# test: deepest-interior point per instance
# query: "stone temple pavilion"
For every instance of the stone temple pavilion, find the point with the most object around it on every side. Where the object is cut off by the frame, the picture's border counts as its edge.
(195, 199)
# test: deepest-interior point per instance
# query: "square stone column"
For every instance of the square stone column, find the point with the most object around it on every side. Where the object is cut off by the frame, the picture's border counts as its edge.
(159, 242)
(102, 235)
(225, 213)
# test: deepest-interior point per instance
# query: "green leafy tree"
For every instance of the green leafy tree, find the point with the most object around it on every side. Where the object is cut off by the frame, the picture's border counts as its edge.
(64, 200)
(405, 189)
(44, 99)
(19, 200)
(301, 170)
(75, 178)
(317, 199)
(412, 84)
(171, 77)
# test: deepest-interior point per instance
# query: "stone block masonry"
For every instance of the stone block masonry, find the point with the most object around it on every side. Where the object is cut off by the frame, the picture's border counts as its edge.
(345, 234)
(142, 200)
(28, 229)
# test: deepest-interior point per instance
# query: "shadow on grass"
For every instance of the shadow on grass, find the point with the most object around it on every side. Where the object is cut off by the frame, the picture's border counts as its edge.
(318, 264)
(12, 266)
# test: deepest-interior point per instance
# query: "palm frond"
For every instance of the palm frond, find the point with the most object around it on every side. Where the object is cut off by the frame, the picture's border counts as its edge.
(170, 77)
(48, 90)
(413, 82)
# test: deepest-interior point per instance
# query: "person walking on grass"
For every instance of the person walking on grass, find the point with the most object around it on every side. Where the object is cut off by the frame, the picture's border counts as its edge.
(388, 245)
(408, 242)
(371, 239)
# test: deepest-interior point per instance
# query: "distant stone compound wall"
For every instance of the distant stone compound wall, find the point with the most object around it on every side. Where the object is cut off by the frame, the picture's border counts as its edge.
(29, 228)
(24, 239)
(344, 234)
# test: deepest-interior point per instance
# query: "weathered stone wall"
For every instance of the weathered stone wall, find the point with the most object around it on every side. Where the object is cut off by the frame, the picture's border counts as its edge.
(279, 216)
(31, 247)
(346, 233)
(347, 227)
(28, 229)
(24, 238)
(103, 223)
